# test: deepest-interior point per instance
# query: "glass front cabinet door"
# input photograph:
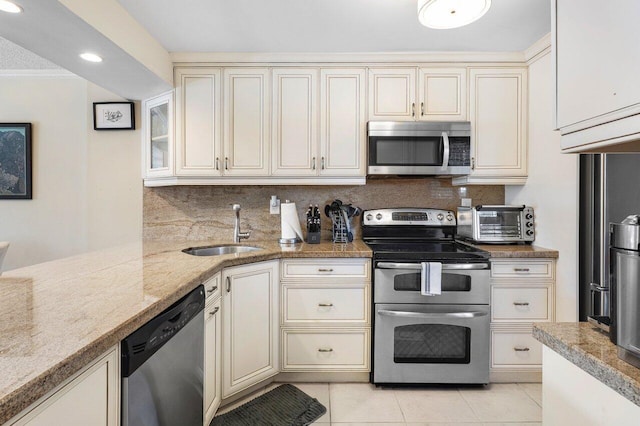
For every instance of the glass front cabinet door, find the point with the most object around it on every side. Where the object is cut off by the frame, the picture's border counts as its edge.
(158, 136)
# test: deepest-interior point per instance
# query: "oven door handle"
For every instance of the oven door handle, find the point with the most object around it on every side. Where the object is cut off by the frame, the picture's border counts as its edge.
(445, 266)
(472, 314)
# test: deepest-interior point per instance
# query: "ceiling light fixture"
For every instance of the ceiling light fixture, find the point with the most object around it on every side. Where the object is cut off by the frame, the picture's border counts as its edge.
(9, 7)
(444, 14)
(91, 57)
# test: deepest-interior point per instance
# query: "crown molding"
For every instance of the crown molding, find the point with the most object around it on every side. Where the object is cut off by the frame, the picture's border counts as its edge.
(191, 58)
(538, 49)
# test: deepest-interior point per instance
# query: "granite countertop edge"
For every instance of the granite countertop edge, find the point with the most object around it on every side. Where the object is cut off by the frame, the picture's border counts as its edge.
(606, 373)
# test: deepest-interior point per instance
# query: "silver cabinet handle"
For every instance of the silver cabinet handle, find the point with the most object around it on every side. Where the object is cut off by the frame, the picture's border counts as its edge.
(217, 163)
(445, 266)
(228, 284)
(471, 314)
(422, 109)
(473, 163)
(521, 349)
(212, 289)
(413, 109)
(322, 163)
(325, 269)
(521, 269)
(521, 303)
(325, 305)
(325, 350)
(226, 163)
(215, 311)
(445, 154)
(313, 163)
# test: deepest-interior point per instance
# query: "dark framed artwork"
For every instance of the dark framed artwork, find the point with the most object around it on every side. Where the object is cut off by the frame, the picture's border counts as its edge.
(15, 161)
(113, 116)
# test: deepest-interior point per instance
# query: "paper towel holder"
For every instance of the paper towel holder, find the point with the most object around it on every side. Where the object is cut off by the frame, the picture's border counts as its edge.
(289, 241)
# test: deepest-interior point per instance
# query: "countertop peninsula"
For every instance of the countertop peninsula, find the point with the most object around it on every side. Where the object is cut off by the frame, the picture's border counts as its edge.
(58, 316)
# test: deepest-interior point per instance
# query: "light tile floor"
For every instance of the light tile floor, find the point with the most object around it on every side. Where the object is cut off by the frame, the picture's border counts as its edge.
(357, 404)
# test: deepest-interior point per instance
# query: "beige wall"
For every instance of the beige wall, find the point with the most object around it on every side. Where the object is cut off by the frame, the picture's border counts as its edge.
(552, 188)
(86, 185)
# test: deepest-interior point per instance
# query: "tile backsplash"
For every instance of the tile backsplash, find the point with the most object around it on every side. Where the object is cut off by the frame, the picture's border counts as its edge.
(204, 212)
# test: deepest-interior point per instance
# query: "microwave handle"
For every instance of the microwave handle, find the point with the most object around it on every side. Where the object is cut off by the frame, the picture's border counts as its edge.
(445, 155)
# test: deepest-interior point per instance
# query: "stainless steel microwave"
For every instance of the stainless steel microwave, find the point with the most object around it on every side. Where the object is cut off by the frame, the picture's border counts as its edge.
(419, 148)
(496, 224)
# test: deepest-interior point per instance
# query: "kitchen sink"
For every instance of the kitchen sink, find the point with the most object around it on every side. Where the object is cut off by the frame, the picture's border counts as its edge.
(219, 250)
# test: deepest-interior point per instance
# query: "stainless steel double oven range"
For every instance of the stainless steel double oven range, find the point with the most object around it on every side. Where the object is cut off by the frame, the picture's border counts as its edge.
(421, 339)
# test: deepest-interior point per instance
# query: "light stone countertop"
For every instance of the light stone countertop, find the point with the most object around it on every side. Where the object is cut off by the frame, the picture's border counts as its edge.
(498, 251)
(56, 317)
(590, 349)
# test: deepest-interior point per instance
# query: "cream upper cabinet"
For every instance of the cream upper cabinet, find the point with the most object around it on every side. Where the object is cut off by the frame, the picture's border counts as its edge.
(442, 94)
(158, 136)
(392, 94)
(247, 121)
(498, 115)
(250, 325)
(596, 68)
(295, 122)
(342, 122)
(198, 147)
(425, 94)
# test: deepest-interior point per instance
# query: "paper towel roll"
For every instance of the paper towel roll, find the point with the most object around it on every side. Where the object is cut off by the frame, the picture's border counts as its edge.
(290, 223)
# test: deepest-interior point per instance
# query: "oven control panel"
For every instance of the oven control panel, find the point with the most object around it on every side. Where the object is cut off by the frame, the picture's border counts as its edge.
(408, 216)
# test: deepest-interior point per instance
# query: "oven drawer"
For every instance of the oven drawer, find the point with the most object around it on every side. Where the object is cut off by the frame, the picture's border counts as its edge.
(515, 348)
(335, 268)
(517, 303)
(522, 269)
(312, 305)
(325, 349)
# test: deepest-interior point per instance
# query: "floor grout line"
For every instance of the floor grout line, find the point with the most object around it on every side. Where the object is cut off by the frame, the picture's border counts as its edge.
(395, 396)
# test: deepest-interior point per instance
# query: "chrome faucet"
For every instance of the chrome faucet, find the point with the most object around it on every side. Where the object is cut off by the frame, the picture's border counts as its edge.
(237, 235)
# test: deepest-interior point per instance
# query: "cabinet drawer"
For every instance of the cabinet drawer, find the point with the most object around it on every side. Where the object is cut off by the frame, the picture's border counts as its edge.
(523, 269)
(516, 303)
(519, 349)
(212, 287)
(313, 305)
(315, 350)
(313, 268)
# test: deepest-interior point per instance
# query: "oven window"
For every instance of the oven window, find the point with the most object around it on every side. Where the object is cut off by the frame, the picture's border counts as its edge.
(450, 282)
(500, 223)
(432, 344)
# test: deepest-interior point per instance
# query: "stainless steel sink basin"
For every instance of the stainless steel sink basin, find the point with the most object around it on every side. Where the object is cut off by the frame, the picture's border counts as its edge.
(219, 250)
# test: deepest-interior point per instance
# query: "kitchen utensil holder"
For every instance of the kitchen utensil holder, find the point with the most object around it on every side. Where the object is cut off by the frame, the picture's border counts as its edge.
(340, 232)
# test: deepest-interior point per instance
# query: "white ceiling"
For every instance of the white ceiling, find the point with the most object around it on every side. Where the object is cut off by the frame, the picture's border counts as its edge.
(332, 26)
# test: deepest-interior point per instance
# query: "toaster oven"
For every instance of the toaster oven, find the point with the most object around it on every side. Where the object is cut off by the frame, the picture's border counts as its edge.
(496, 224)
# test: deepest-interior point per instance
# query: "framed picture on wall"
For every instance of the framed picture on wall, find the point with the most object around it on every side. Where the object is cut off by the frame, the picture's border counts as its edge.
(15, 161)
(113, 116)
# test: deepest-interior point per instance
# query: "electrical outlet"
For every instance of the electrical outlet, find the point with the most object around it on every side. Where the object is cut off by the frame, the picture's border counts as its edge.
(274, 205)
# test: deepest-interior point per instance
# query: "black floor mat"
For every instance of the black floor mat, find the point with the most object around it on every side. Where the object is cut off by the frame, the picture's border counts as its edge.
(285, 405)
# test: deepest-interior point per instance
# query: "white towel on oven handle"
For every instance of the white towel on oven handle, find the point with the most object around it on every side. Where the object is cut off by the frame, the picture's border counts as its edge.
(431, 278)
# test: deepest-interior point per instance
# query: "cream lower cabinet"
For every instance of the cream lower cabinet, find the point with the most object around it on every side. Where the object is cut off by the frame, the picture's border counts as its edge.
(498, 116)
(522, 292)
(212, 349)
(250, 341)
(325, 317)
(91, 397)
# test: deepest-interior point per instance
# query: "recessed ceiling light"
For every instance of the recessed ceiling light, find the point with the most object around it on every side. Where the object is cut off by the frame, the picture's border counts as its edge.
(443, 14)
(91, 57)
(7, 6)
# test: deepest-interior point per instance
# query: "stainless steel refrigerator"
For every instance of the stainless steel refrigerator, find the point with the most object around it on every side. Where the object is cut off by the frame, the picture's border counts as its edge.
(609, 192)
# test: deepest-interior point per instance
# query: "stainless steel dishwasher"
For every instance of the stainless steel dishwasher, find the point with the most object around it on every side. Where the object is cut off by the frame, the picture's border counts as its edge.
(162, 367)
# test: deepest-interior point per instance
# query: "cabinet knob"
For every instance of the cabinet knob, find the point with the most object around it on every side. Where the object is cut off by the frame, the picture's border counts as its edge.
(517, 349)
(325, 350)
